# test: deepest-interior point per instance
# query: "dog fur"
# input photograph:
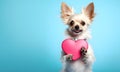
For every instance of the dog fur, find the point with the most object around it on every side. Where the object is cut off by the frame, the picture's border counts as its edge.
(78, 29)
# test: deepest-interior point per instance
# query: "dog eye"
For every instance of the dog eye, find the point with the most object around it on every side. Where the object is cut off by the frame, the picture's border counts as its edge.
(82, 23)
(71, 23)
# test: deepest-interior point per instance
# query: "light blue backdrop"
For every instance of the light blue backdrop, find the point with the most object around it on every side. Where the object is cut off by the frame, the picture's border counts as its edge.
(31, 32)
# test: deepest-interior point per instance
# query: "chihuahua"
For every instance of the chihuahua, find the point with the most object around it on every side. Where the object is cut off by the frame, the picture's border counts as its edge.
(78, 29)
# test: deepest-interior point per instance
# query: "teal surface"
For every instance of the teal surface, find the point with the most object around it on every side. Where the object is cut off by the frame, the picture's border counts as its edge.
(31, 33)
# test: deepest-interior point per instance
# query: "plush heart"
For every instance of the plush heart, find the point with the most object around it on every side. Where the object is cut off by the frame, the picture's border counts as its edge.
(73, 47)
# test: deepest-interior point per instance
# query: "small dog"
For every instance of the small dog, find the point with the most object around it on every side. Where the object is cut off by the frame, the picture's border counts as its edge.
(78, 29)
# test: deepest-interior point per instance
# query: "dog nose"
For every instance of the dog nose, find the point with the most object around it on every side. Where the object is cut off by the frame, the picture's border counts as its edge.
(77, 27)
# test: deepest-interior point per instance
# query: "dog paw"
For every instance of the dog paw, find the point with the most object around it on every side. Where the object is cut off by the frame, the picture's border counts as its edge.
(83, 51)
(69, 57)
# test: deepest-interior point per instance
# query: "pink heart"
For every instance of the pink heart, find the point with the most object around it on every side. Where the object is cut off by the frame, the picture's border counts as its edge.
(73, 47)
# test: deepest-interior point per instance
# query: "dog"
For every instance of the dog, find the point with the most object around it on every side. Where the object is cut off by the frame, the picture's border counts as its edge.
(78, 28)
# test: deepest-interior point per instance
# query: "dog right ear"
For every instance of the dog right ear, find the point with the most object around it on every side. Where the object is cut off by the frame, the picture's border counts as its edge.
(66, 12)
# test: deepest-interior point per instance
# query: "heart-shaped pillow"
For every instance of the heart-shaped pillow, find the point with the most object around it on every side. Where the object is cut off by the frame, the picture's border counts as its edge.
(73, 47)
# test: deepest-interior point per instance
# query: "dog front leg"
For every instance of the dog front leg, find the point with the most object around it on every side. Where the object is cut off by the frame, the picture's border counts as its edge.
(65, 57)
(87, 56)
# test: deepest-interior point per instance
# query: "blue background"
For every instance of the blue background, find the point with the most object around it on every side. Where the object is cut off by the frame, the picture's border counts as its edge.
(31, 33)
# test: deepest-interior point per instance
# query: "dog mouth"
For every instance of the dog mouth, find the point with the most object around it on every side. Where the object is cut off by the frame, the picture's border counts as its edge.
(74, 32)
(77, 31)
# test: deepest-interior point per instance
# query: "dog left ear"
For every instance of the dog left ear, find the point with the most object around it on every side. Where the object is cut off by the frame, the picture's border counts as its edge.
(89, 11)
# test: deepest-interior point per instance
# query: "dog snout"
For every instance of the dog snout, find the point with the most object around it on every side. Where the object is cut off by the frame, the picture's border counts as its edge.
(77, 27)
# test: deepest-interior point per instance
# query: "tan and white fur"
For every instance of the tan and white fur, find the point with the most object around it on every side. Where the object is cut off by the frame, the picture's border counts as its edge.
(78, 29)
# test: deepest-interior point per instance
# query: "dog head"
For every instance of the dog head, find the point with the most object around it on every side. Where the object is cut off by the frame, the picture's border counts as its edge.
(77, 23)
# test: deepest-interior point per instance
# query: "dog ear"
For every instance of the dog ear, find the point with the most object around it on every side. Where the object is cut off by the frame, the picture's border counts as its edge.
(89, 11)
(66, 12)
